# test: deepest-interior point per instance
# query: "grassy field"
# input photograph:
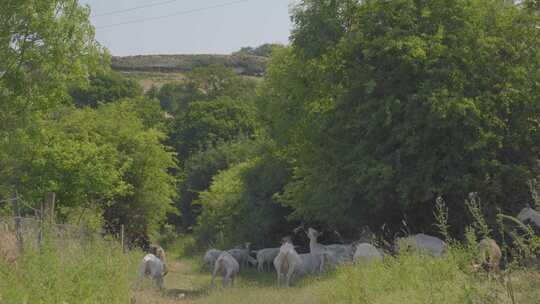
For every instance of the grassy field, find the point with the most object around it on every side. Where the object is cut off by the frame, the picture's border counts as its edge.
(406, 279)
(98, 272)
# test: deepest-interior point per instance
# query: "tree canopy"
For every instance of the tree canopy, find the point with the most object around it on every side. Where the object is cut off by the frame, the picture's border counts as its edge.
(381, 106)
(44, 48)
(104, 86)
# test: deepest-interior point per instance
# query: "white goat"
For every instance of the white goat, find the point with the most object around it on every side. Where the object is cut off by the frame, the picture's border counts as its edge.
(341, 252)
(529, 214)
(242, 256)
(210, 258)
(159, 252)
(265, 257)
(422, 243)
(367, 253)
(227, 267)
(153, 267)
(288, 263)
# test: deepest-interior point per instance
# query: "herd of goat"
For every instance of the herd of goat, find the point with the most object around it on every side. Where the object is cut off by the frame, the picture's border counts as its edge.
(287, 262)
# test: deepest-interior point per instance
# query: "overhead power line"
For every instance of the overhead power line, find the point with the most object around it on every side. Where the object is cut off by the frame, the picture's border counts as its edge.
(173, 14)
(133, 8)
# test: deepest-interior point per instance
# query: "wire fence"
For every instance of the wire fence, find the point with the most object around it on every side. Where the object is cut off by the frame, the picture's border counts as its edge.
(19, 231)
(30, 231)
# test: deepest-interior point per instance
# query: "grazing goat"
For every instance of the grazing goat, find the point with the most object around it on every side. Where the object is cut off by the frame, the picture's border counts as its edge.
(367, 253)
(153, 267)
(227, 267)
(210, 258)
(265, 257)
(529, 214)
(242, 256)
(288, 263)
(489, 256)
(422, 243)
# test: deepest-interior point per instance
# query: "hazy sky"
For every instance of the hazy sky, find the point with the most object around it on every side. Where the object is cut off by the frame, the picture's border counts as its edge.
(220, 30)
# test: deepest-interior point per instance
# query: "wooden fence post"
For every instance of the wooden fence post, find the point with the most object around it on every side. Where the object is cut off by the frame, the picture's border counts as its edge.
(41, 218)
(18, 225)
(122, 233)
(50, 199)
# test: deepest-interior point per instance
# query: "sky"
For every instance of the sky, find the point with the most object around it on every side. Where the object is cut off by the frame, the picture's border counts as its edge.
(204, 30)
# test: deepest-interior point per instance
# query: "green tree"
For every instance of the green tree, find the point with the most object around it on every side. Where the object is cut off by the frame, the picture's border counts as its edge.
(206, 123)
(45, 47)
(203, 84)
(240, 206)
(104, 86)
(199, 169)
(106, 158)
(381, 106)
(264, 50)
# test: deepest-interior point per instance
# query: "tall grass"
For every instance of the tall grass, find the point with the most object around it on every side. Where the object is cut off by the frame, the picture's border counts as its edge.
(419, 279)
(98, 272)
(66, 272)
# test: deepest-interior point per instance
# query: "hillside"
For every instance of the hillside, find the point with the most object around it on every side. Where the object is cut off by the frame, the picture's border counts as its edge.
(242, 64)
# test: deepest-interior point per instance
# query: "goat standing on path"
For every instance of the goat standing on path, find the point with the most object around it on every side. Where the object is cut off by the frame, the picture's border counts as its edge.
(153, 267)
(210, 257)
(226, 266)
(288, 263)
(160, 253)
(242, 256)
(265, 257)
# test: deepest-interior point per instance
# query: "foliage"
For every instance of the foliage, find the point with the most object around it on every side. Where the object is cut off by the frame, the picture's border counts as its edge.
(104, 87)
(381, 106)
(264, 50)
(201, 167)
(45, 47)
(206, 123)
(214, 118)
(107, 159)
(202, 84)
(239, 205)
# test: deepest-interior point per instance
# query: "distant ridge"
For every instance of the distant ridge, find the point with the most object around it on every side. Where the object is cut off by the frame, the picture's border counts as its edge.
(243, 64)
